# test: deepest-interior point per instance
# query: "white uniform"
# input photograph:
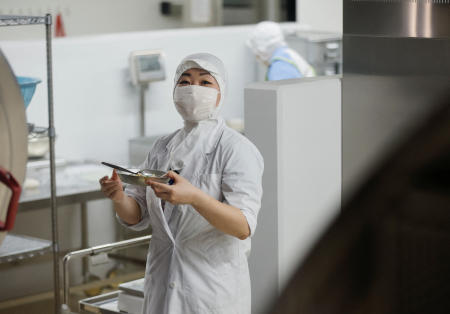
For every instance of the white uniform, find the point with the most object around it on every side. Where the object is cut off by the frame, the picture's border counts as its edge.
(266, 41)
(192, 267)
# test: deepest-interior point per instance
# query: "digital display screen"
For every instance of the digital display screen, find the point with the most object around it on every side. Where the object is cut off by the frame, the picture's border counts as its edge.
(149, 63)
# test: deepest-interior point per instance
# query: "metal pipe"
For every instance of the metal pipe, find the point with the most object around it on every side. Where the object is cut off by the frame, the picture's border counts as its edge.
(84, 235)
(51, 134)
(93, 251)
(142, 89)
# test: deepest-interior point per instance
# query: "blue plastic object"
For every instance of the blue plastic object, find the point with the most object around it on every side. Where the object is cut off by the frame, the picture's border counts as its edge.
(27, 88)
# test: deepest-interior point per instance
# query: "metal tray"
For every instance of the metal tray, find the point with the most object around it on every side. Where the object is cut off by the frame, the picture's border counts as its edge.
(155, 175)
(105, 303)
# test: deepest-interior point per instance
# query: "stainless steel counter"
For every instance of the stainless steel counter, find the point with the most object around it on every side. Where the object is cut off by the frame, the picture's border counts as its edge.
(76, 182)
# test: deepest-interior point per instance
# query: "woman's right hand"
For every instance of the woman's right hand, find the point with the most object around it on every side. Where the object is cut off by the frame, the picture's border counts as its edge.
(112, 187)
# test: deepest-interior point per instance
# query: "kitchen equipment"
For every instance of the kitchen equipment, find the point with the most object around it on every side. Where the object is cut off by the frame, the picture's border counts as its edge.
(135, 179)
(323, 50)
(19, 247)
(396, 68)
(138, 177)
(27, 88)
(19, 123)
(119, 168)
(38, 142)
(105, 303)
(13, 135)
(146, 66)
(131, 297)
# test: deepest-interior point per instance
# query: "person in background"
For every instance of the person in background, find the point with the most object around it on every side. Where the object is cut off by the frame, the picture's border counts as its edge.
(202, 223)
(267, 43)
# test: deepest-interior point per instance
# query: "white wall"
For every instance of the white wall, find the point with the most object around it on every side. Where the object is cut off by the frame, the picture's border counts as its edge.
(84, 17)
(322, 15)
(96, 108)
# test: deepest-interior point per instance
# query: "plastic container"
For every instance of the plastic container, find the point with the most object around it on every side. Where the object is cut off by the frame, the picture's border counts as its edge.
(38, 141)
(27, 88)
(38, 145)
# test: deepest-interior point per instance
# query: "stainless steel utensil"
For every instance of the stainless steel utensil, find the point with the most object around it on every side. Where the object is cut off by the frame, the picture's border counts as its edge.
(145, 174)
(119, 168)
(138, 177)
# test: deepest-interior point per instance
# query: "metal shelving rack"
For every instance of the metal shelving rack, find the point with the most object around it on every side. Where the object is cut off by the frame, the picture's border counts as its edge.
(14, 20)
(19, 247)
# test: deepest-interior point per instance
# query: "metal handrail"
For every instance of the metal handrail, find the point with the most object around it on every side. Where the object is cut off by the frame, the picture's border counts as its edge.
(94, 251)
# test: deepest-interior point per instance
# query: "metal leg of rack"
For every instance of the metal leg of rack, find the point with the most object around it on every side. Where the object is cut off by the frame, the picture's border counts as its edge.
(142, 90)
(84, 236)
(51, 133)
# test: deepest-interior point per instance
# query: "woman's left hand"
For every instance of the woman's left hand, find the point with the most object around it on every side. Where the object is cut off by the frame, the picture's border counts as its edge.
(180, 192)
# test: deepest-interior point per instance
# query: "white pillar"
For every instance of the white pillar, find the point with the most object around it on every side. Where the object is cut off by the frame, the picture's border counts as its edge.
(296, 125)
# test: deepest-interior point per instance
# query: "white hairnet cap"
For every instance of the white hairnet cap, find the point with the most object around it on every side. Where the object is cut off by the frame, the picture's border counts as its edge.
(208, 62)
(265, 39)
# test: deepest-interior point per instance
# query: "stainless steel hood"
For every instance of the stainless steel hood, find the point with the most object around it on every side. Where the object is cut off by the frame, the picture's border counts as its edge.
(396, 67)
(397, 18)
(387, 253)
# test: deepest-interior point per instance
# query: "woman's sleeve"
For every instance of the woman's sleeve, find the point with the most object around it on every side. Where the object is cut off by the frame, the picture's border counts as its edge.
(242, 180)
(138, 193)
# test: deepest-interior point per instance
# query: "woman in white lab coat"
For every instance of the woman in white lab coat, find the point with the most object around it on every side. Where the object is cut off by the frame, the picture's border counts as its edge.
(202, 224)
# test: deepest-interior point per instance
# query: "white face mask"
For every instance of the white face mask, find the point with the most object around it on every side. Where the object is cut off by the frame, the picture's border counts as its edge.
(195, 103)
